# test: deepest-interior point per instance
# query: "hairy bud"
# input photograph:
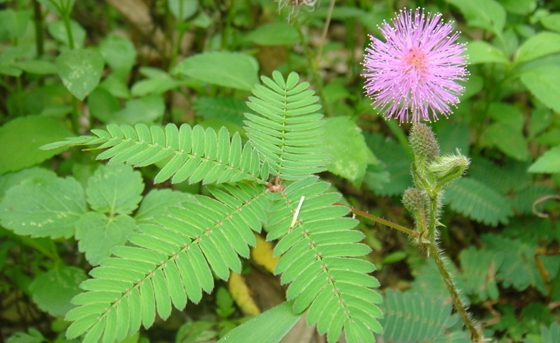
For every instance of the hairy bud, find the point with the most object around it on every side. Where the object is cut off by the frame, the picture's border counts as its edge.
(423, 142)
(450, 167)
(414, 200)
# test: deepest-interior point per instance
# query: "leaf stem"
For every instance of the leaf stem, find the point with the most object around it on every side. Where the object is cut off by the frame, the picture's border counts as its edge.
(325, 30)
(382, 221)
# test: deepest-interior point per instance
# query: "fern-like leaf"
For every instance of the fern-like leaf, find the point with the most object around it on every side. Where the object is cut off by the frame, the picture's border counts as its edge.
(321, 259)
(168, 264)
(413, 317)
(194, 153)
(518, 268)
(428, 281)
(477, 201)
(479, 272)
(288, 130)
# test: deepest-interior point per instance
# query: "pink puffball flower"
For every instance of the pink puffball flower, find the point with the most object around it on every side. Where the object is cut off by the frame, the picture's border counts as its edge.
(413, 75)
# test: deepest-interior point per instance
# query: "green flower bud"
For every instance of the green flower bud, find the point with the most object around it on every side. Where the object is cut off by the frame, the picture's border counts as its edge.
(414, 200)
(447, 168)
(423, 142)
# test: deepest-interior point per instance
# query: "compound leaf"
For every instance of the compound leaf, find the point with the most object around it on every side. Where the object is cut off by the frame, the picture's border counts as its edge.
(287, 132)
(324, 277)
(192, 156)
(477, 201)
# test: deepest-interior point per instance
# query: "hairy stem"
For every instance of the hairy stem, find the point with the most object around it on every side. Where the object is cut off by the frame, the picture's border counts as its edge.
(434, 251)
(460, 307)
(382, 221)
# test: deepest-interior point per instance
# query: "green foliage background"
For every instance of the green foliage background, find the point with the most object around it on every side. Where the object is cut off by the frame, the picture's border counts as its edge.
(192, 146)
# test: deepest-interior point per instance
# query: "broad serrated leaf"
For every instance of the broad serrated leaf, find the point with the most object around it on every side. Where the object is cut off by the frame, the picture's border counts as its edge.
(114, 189)
(224, 68)
(542, 83)
(53, 290)
(58, 30)
(223, 108)
(80, 70)
(483, 52)
(278, 33)
(549, 162)
(21, 138)
(146, 109)
(119, 52)
(157, 202)
(102, 104)
(539, 45)
(43, 207)
(158, 82)
(485, 14)
(550, 334)
(183, 9)
(348, 149)
(551, 21)
(98, 234)
(15, 22)
(508, 138)
(37, 67)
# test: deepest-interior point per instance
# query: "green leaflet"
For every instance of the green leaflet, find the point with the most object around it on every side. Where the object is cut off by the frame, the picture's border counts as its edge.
(157, 202)
(53, 290)
(193, 152)
(180, 243)
(44, 206)
(288, 133)
(315, 253)
(349, 150)
(481, 203)
(98, 234)
(114, 189)
(168, 263)
(27, 134)
(411, 317)
(550, 334)
(223, 108)
(479, 272)
(518, 268)
(395, 157)
(269, 327)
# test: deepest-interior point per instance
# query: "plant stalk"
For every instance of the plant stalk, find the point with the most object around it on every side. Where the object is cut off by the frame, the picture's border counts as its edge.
(382, 221)
(460, 307)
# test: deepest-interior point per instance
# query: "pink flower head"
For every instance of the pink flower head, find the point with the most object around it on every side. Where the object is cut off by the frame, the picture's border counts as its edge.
(412, 75)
